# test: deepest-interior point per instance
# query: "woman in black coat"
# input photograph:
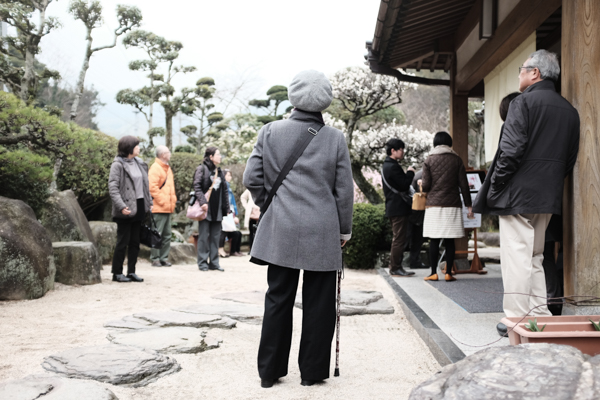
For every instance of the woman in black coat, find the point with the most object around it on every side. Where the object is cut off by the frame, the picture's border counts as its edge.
(207, 175)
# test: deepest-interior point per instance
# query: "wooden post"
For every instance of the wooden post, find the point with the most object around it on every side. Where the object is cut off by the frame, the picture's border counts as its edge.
(459, 130)
(581, 86)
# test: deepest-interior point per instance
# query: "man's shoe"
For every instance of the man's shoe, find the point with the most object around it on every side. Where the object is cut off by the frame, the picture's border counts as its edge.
(216, 269)
(165, 263)
(450, 278)
(267, 383)
(156, 263)
(308, 382)
(433, 277)
(121, 278)
(401, 272)
(502, 329)
(419, 266)
(135, 278)
(203, 268)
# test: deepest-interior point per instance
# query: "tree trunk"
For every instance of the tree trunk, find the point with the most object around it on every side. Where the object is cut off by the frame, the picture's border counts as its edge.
(169, 128)
(364, 185)
(57, 164)
(80, 82)
(28, 80)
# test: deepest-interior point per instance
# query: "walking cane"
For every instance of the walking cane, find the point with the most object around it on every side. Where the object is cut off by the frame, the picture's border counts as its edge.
(337, 328)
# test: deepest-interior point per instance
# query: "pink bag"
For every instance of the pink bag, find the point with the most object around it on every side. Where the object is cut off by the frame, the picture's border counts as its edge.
(195, 211)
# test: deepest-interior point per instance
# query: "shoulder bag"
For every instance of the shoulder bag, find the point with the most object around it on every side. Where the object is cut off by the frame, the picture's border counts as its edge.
(149, 235)
(406, 196)
(194, 210)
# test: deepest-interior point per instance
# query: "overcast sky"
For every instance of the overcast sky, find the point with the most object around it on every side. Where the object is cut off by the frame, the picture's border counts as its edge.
(259, 43)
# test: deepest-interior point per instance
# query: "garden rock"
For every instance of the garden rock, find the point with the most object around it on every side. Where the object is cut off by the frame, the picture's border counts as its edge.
(167, 340)
(176, 318)
(128, 322)
(252, 297)
(182, 253)
(480, 245)
(105, 234)
(240, 312)
(359, 302)
(115, 364)
(77, 263)
(491, 239)
(27, 268)
(49, 387)
(64, 219)
(527, 371)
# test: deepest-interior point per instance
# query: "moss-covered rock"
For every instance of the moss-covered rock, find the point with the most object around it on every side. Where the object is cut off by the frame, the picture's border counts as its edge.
(64, 219)
(27, 268)
(77, 263)
(105, 234)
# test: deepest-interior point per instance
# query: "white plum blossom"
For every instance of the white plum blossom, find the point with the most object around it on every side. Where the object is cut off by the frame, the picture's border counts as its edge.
(236, 145)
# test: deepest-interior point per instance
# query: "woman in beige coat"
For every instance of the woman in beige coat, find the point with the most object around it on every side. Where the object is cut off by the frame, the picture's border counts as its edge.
(251, 215)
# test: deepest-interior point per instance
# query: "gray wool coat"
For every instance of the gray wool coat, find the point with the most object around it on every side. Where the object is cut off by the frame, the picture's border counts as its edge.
(122, 189)
(312, 210)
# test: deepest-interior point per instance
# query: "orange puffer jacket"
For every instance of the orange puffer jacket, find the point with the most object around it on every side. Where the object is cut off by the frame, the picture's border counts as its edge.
(165, 198)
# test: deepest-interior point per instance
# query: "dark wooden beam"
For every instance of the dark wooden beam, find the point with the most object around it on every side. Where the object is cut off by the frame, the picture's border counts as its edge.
(434, 62)
(448, 63)
(384, 70)
(419, 63)
(420, 57)
(518, 25)
(468, 24)
(551, 39)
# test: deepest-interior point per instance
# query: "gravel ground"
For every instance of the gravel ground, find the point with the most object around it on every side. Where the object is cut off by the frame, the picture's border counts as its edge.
(382, 357)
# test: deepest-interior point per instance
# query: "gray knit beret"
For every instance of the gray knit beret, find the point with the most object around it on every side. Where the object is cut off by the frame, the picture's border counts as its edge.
(310, 90)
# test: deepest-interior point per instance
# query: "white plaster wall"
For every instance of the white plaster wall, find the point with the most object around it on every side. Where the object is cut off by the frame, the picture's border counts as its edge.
(503, 79)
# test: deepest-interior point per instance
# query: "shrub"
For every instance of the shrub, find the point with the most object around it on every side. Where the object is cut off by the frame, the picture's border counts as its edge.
(186, 148)
(369, 228)
(183, 166)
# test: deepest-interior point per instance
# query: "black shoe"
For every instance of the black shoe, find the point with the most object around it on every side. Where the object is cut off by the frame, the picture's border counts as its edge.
(121, 278)
(135, 278)
(203, 269)
(267, 383)
(419, 266)
(156, 263)
(308, 382)
(401, 272)
(216, 269)
(165, 263)
(502, 329)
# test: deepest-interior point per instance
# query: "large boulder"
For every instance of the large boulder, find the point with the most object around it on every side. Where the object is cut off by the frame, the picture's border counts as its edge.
(179, 254)
(105, 234)
(77, 263)
(64, 219)
(491, 239)
(27, 268)
(527, 371)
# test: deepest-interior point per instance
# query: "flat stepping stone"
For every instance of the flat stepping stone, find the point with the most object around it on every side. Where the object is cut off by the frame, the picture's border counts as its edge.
(167, 340)
(48, 387)
(251, 314)
(115, 364)
(359, 302)
(177, 318)
(252, 297)
(128, 322)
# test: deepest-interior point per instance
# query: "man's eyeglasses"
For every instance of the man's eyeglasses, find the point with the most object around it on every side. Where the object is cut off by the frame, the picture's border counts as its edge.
(525, 67)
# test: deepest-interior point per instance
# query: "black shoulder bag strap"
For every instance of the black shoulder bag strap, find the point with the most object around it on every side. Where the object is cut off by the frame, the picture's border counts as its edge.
(309, 135)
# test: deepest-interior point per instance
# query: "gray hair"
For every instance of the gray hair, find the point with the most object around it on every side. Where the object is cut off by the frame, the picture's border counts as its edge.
(160, 150)
(546, 62)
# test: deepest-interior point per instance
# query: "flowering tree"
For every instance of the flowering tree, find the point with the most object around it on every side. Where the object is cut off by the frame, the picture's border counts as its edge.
(363, 94)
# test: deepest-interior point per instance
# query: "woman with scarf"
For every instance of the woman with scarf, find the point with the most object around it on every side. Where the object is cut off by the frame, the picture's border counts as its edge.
(207, 175)
(443, 175)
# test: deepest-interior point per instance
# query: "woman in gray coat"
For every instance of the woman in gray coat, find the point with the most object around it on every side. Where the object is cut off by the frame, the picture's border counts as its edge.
(129, 191)
(307, 222)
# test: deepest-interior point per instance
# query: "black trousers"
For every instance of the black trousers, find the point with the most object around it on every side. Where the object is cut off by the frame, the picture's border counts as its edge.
(318, 323)
(434, 254)
(554, 279)
(234, 237)
(252, 229)
(128, 241)
(415, 235)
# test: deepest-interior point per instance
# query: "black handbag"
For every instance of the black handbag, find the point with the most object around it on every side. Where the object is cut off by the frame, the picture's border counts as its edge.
(149, 235)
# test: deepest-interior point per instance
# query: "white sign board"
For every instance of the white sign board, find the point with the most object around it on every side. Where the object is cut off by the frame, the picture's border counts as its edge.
(470, 223)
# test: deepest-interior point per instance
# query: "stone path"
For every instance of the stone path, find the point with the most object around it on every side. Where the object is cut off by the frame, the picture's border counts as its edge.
(359, 302)
(48, 387)
(240, 312)
(155, 319)
(168, 340)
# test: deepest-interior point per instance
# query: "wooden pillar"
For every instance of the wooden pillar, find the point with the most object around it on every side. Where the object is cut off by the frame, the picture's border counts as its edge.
(459, 130)
(581, 207)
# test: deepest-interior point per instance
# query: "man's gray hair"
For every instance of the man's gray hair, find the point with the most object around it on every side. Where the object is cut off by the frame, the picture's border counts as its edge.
(160, 150)
(546, 62)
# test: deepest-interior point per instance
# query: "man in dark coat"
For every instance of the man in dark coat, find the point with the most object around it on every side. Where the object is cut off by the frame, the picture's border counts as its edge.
(396, 184)
(538, 149)
(415, 230)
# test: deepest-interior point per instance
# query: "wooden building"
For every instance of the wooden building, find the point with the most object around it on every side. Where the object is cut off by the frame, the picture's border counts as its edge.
(481, 44)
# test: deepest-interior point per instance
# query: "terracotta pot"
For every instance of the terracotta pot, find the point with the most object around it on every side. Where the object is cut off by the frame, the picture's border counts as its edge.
(571, 330)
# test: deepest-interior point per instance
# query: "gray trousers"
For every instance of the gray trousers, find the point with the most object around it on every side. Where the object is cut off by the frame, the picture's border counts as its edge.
(163, 225)
(209, 233)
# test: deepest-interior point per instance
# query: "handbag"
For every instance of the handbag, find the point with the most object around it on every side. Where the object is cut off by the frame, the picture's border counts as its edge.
(194, 210)
(419, 199)
(149, 235)
(228, 223)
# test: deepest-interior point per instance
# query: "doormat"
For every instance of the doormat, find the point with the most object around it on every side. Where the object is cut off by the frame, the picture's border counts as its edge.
(474, 295)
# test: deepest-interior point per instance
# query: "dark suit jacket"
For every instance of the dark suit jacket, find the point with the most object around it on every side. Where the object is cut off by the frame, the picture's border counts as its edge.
(398, 179)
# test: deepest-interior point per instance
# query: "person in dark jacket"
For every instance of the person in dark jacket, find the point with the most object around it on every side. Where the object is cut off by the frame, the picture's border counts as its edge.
(207, 175)
(443, 175)
(396, 184)
(130, 194)
(538, 149)
(415, 237)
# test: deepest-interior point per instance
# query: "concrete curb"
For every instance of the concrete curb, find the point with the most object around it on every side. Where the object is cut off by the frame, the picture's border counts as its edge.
(441, 346)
